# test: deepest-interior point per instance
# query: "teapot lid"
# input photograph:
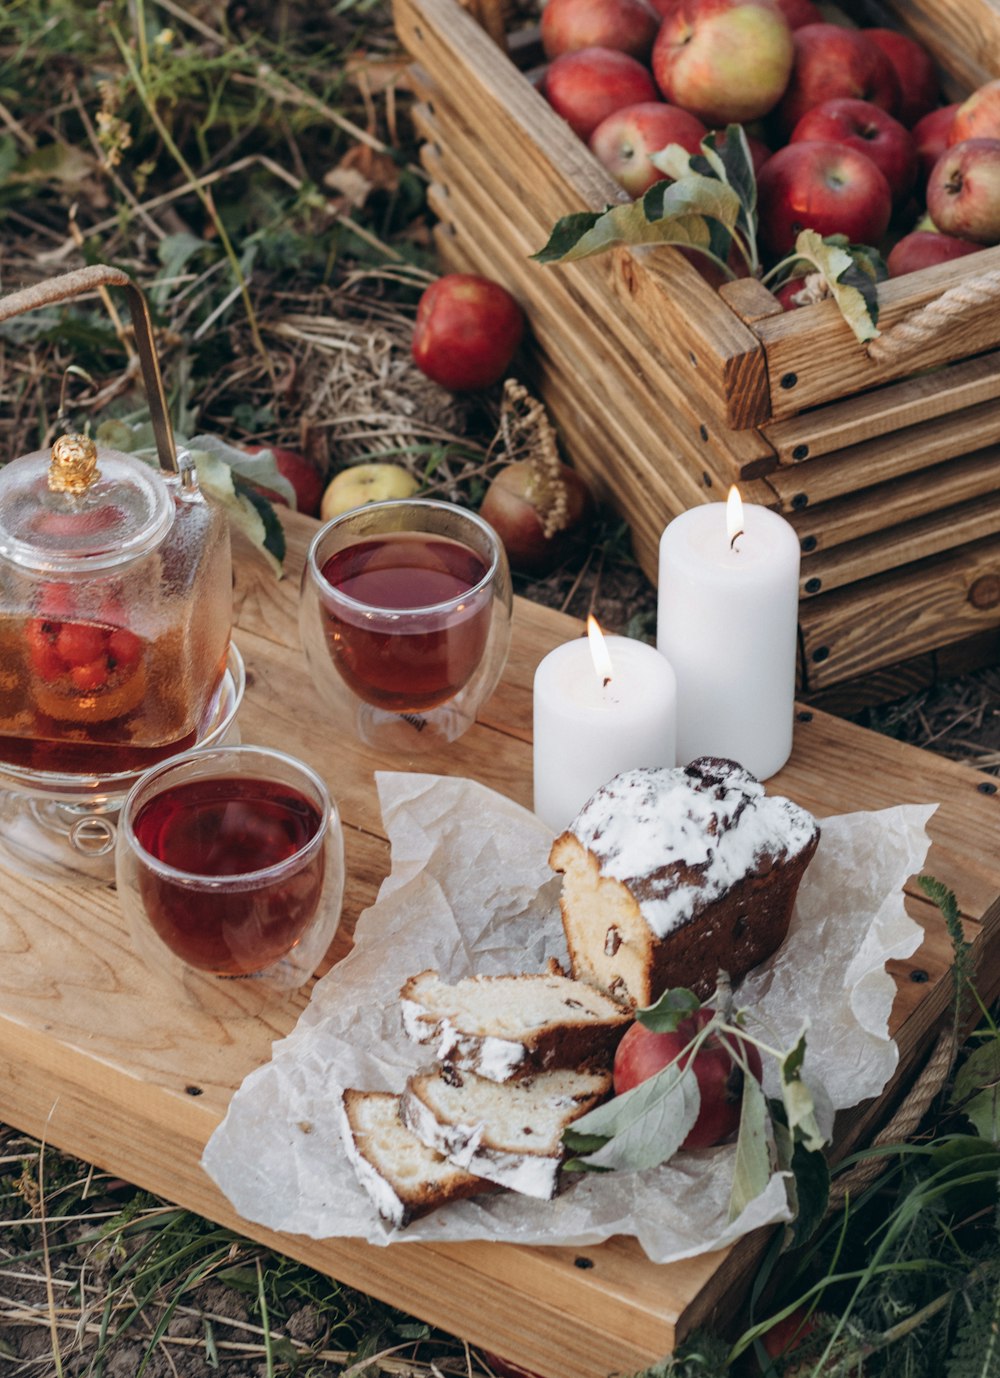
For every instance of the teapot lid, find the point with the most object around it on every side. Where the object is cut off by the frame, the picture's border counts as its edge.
(79, 508)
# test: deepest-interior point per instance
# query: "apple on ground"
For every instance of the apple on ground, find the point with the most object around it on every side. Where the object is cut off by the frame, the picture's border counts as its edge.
(569, 25)
(467, 332)
(360, 484)
(963, 191)
(978, 117)
(831, 62)
(822, 186)
(301, 473)
(587, 86)
(932, 135)
(923, 248)
(517, 504)
(873, 131)
(724, 60)
(919, 87)
(624, 141)
(786, 1335)
(642, 1053)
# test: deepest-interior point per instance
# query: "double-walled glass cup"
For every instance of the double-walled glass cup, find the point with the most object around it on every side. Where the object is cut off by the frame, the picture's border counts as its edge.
(230, 862)
(405, 617)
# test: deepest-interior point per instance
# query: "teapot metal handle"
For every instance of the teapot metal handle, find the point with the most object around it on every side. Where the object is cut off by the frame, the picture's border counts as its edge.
(85, 280)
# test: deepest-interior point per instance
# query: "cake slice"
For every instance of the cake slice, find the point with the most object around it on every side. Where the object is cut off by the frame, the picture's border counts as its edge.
(506, 1027)
(511, 1134)
(403, 1177)
(670, 875)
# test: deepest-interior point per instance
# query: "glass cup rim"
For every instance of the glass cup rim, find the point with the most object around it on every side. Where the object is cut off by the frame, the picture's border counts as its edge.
(335, 595)
(329, 818)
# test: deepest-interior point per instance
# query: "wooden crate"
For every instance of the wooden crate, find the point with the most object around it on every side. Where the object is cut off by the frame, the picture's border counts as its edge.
(99, 1058)
(666, 391)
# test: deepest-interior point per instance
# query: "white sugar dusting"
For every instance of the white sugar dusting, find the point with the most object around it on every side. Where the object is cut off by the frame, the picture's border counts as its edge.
(645, 826)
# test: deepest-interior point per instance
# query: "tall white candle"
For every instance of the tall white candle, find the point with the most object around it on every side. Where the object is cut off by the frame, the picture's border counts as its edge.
(595, 717)
(727, 620)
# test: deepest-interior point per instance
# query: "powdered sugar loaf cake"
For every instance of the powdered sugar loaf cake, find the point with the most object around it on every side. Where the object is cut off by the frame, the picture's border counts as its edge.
(670, 875)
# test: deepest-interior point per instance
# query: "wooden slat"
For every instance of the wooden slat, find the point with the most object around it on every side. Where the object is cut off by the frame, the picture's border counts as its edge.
(556, 174)
(862, 627)
(895, 407)
(95, 1058)
(892, 456)
(888, 505)
(813, 357)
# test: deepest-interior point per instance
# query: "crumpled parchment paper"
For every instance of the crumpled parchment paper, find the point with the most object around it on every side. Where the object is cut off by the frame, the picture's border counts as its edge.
(470, 890)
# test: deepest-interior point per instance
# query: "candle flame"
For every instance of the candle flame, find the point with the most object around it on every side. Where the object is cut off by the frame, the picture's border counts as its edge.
(603, 668)
(734, 516)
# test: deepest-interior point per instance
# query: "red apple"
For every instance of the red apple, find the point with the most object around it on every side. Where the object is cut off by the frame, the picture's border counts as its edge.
(932, 136)
(979, 116)
(587, 86)
(506, 1368)
(787, 293)
(467, 331)
(569, 25)
(724, 60)
(624, 141)
(924, 248)
(830, 62)
(300, 472)
(665, 7)
(785, 1335)
(821, 186)
(516, 504)
(963, 191)
(919, 88)
(861, 125)
(642, 1053)
(800, 12)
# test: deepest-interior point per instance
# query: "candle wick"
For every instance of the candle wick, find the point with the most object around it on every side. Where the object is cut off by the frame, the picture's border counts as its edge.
(732, 543)
(606, 681)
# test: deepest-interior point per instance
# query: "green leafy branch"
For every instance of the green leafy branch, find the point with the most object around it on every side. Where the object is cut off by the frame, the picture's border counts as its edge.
(646, 1125)
(708, 204)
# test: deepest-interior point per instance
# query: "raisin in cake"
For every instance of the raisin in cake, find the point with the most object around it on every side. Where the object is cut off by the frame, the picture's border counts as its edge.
(508, 1027)
(670, 875)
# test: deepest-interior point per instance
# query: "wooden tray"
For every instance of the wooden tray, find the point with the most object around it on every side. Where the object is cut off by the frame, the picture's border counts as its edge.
(95, 1059)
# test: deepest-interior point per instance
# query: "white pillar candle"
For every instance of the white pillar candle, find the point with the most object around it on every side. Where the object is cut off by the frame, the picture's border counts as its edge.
(595, 716)
(727, 621)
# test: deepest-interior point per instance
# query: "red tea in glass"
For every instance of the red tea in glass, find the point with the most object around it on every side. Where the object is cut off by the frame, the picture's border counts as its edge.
(411, 622)
(242, 902)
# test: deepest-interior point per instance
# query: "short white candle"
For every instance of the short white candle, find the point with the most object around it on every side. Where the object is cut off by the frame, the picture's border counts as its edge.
(593, 719)
(727, 621)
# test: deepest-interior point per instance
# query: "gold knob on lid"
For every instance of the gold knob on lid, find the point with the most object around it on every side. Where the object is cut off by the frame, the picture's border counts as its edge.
(74, 464)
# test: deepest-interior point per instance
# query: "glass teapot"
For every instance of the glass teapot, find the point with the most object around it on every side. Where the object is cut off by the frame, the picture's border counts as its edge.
(115, 587)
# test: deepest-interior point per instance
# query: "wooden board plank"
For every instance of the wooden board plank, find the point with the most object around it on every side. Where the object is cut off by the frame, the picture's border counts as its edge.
(888, 505)
(94, 1057)
(813, 357)
(855, 630)
(897, 406)
(936, 531)
(555, 172)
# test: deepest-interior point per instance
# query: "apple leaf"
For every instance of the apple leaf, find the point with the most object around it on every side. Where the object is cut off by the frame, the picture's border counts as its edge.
(797, 1097)
(245, 508)
(851, 274)
(754, 1158)
(642, 1127)
(976, 1091)
(666, 1013)
(807, 1183)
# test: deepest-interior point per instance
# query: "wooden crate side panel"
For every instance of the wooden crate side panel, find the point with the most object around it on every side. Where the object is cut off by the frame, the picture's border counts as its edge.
(892, 617)
(459, 167)
(840, 425)
(526, 141)
(889, 457)
(813, 356)
(937, 531)
(889, 505)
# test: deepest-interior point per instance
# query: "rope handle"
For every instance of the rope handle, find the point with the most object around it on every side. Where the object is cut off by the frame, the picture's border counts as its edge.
(71, 284)
(909, 334)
